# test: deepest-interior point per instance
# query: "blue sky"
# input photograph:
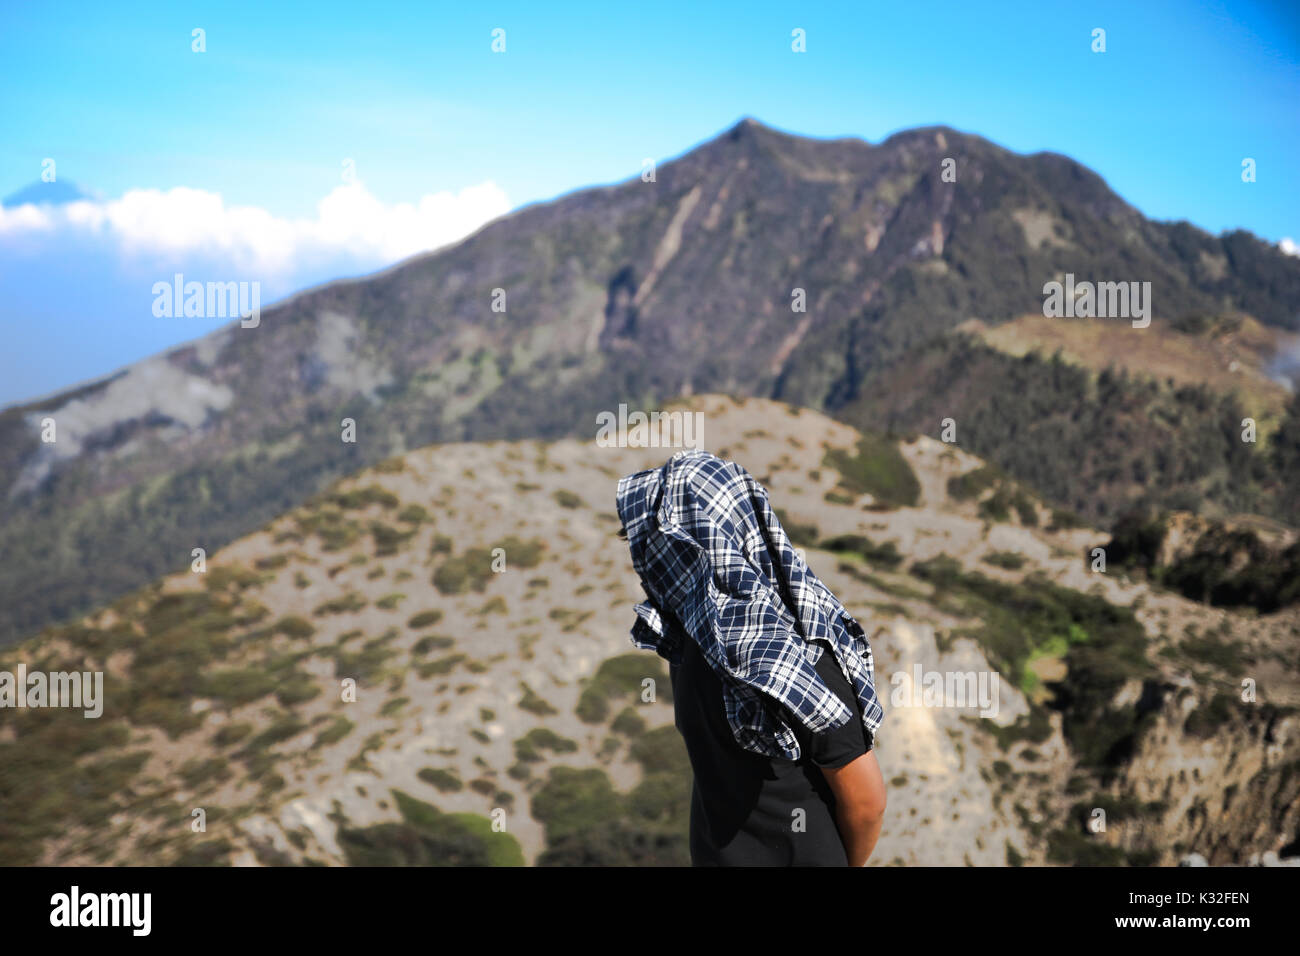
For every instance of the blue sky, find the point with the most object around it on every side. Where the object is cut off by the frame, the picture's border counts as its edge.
(414, 96)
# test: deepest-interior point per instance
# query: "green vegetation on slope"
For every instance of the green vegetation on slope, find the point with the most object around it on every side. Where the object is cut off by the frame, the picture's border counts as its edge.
(1101, 645)
(588, 823)
(428, 837)
(877, 468)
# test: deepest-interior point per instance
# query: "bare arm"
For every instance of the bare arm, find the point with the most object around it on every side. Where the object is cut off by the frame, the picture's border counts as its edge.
(859, 792)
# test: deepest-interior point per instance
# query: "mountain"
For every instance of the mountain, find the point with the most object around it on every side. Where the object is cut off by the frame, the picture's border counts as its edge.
(55, 193)
(643, 291)
(499, 714)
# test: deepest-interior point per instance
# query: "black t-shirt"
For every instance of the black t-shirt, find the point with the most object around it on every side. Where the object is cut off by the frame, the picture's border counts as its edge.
(744, 805)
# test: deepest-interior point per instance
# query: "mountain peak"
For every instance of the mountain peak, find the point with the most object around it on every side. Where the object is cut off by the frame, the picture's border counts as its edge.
(56, 193)
(748, 128)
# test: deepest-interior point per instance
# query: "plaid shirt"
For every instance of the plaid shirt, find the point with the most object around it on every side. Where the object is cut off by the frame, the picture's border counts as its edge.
(715, 563)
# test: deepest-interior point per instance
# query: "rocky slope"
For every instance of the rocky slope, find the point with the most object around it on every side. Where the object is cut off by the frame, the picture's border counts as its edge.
(499, 714)
(825, 273)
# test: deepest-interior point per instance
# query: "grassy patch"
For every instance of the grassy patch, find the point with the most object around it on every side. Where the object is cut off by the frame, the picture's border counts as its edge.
(445, 781)
(621, 678)
(567, 499)
(1101, 644)
(424, 619)
(534, 703)
(528, 748)
(877, 468)
(234, 688)
(336, 731)
(293, 626)
(428, 837)
(886, 555)
(588, 823)
(430, 643)
(353, 601)
(472, 569)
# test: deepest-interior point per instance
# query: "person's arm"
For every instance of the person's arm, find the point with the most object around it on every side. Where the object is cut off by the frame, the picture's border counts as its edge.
(859, 790)
(846, 759)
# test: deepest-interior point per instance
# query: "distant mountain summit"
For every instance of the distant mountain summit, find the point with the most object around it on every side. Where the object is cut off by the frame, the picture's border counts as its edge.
(57, 193)
(834, 274)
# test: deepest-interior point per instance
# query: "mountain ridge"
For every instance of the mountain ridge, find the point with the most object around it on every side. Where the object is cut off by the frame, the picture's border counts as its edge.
(635, 293)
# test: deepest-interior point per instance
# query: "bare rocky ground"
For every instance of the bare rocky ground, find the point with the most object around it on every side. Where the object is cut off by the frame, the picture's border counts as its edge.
(389, 580)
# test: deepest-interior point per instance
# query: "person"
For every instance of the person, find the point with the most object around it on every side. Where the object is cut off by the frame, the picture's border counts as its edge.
(773, 681)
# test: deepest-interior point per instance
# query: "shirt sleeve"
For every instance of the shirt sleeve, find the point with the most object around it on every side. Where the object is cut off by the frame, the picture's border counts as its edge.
(836, 747)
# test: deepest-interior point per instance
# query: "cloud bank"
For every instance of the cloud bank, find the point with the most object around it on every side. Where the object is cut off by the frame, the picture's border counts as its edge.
(176, 224)
(77, 276)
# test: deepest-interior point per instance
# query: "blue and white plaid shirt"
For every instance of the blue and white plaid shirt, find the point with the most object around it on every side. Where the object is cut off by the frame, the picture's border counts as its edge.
(711, 553)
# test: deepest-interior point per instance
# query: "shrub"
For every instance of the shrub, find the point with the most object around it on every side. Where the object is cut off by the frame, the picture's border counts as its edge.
(232, 734)
(1064, 520)
(528, 747)
(413, 514)
(281, 729)
(1081, 849)
(628, 723)
(424, 619)
(445, 780)
(388, 540)
(589, 824)
(352, 601)
(573, 800)
(1225, 656)
(533, 703)
(1135, 541)
(1008, 560)
(882, 554)
(876, 468)
(429, 837)
(442, 665)
(207, 853)
(972, 484)
(431, 642)
(296, 688)
(621, 677)
(361, 497)
(469, 571)
(567, 499)
(335, 732)
(237, 687)
(363, 665)
(197, 772)
(1206, 720)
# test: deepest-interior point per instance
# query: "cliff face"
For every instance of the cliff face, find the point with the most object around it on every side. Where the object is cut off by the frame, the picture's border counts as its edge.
(1229, 787)
(824, 273)
(429, 662)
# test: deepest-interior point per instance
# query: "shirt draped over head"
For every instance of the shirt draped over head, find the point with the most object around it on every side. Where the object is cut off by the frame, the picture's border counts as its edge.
(719, 570)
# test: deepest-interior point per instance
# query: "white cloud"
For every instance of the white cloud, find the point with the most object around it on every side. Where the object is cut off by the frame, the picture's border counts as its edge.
(350, 223)
(1288, 245)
